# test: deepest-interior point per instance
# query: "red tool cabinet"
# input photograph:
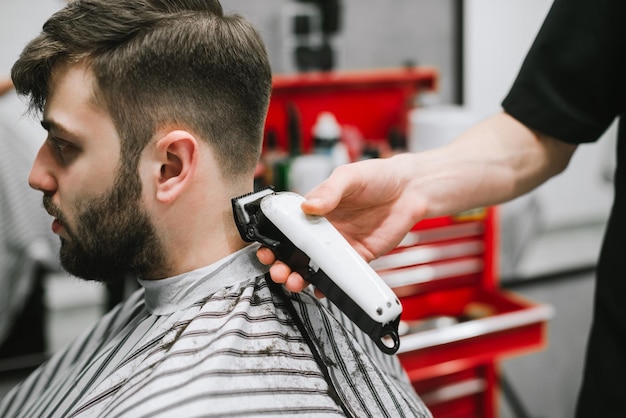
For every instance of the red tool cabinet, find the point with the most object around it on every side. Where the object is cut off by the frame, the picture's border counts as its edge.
(445, 272)
(447, 268)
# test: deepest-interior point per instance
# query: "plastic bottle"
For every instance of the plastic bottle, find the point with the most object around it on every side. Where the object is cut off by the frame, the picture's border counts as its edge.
(327, 139)
(307, 171)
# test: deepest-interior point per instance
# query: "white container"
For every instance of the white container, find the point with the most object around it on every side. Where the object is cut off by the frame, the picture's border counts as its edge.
(435, 126)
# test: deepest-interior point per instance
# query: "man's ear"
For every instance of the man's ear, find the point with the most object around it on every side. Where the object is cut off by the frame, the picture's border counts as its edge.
(177, 154)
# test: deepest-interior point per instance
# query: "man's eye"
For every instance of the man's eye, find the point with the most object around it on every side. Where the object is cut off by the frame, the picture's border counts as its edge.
(63, 150)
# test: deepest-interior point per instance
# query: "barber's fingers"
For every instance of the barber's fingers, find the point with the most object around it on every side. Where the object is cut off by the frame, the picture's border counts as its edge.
(266, 256)
(295, 282)
(281, 272)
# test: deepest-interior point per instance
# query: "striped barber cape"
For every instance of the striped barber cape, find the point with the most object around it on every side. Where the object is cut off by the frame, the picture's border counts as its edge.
(218, 342)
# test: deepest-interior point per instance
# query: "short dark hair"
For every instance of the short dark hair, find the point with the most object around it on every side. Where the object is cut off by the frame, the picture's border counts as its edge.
(158, 63)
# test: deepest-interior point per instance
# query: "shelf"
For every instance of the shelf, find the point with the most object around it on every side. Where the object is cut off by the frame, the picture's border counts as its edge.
(413, 280)
(422, 254)
(505, 324)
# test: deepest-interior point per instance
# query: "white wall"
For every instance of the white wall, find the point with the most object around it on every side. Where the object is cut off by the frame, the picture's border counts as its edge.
(21, 20)
(376, 34)
(496, 39)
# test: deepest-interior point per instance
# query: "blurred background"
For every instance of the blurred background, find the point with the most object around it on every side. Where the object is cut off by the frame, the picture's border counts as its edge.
(549, 239)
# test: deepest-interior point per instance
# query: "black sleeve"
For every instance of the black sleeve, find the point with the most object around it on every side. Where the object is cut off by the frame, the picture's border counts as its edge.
(570, 85)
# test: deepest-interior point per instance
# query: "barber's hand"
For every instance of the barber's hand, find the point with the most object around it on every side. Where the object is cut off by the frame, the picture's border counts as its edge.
(369, 202)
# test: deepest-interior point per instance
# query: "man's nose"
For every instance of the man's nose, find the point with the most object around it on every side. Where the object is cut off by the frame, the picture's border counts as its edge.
(41, 176)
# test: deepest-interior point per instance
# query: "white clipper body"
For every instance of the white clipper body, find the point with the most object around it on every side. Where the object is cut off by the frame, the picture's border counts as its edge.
(312, 246)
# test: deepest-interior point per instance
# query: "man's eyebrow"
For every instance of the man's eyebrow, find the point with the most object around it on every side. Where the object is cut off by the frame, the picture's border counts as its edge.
(50, 125)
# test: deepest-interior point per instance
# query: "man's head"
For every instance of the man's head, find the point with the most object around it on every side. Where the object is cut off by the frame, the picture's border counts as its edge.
(160, 62)
(154, 72)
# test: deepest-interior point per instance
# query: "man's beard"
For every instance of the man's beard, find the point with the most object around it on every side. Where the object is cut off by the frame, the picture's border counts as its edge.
(112, 236)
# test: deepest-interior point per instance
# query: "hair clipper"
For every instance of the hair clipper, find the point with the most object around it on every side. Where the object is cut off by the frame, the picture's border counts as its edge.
(313, 247)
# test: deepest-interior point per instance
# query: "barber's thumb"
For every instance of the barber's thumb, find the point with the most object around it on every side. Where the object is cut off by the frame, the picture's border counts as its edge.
(323, 199)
